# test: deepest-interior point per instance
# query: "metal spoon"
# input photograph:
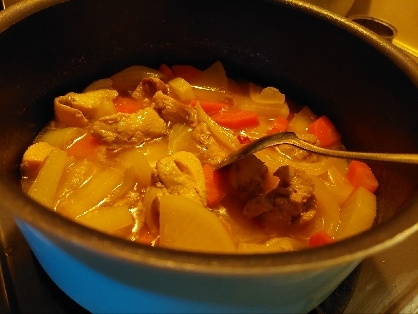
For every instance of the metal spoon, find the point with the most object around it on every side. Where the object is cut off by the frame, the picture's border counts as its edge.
(292, 139)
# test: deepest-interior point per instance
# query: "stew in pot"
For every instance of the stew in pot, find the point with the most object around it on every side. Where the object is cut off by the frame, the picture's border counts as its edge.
(133, 155)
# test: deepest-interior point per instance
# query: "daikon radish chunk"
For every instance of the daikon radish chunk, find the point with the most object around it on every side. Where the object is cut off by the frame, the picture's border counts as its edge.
(327, 206)
(187, 225)
(154, 150)
(151, 209)
(210, 94)
(213, 78)
(46, 184)
(34, 158)
(107, 219)
(341, 165)
(357, 213)
(300, 122)
(92, 193)
(338, 184)
(182, 88)
(61, 138)
(134, 158)
(179, 137)
(266, 109)
(128, 184)
(75, 174)
(268, 95)
(226, 138)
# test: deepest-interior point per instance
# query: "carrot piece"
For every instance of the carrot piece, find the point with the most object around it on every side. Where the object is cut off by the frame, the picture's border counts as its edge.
(215, 185)
(280, 124)
(360, 174)
(210, 107)
(243, 139)
(187, 72)
(84, 146)
(320, 238)
(236, 119)
(164, 69)
(325, 131)
(126, 104)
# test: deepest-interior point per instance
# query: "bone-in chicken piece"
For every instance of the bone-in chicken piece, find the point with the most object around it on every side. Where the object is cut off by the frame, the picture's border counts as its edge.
(76, 110)
(292, 200)
(172, 110)
(125, 128)
(182, 174)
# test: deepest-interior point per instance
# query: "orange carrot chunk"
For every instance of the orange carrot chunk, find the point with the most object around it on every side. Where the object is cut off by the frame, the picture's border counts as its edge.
(164, 69)
(236, 119)
(210, 107)
(360, 174)
(215, 185)
(320, 238)
(324, 131)
(242, 139)
(84, 146)
(187, 72)
(280, 124)
(127, 104)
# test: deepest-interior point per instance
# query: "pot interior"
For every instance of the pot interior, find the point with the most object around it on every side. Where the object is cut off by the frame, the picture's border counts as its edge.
(360, 82)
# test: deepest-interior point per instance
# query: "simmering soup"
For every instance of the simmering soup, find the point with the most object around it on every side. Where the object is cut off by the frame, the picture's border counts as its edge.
(133, 155)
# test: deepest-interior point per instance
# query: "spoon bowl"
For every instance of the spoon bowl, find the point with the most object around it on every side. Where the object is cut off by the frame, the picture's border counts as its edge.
(292, 139)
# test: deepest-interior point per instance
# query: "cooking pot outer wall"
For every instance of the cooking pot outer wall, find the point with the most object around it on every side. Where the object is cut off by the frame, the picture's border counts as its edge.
(363, 84)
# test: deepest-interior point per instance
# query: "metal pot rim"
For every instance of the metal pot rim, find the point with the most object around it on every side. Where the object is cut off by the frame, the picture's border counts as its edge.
(356, 248)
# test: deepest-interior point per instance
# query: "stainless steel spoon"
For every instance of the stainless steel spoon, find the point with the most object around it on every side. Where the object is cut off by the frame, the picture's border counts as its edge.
(292, 139)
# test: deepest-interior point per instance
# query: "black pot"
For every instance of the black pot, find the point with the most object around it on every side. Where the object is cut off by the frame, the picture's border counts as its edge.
(362, 83)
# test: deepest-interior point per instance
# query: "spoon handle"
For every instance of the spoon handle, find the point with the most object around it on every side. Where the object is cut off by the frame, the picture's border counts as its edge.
(401, 158)
(292, 139)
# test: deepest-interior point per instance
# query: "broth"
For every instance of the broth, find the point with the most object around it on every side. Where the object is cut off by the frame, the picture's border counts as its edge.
(133, 155)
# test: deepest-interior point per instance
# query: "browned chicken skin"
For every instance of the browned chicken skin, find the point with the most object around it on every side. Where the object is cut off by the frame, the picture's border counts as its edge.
(124, 128)
(292, 200)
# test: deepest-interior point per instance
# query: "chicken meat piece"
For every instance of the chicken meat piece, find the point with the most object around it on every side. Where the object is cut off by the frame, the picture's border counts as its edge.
(208, 149)
(292, 200)
(247, 176)
(181, 174)
(34, 158)
(124, 128)
(69, 116)
(76, 110)
(151, 85)
(173, 110)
